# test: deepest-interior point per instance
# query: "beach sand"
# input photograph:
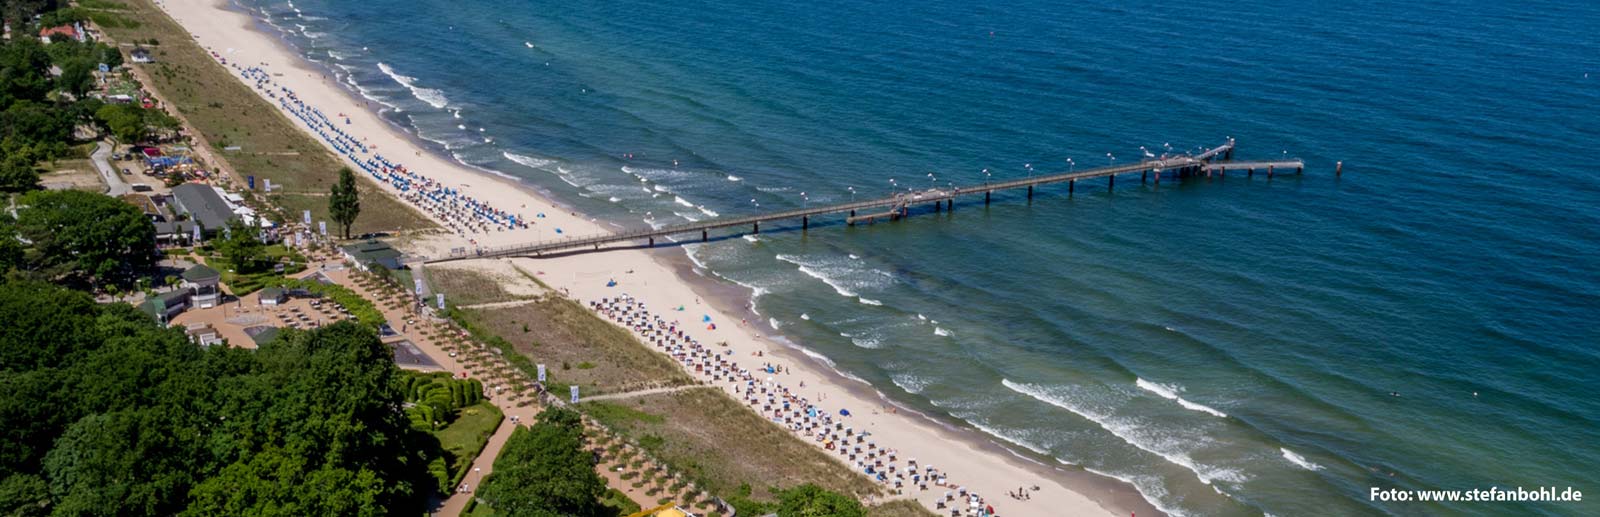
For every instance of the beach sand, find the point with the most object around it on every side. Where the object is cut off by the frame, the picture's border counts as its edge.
(662, 279)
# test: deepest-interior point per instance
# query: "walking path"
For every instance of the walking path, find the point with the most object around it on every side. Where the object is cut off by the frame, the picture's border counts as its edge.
(481, 466)
(115, 186)
(651, 391)
(499, 305)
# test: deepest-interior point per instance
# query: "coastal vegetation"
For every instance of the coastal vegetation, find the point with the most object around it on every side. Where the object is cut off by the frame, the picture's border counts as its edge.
(108, 413)
(248, 132)
(562, 333)
(543, 470)
(723, 446)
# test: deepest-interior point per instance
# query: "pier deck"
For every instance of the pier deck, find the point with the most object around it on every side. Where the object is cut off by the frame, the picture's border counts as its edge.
(895, 204)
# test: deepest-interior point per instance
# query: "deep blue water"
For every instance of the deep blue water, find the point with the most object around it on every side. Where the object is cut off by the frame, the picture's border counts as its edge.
(1459, 253)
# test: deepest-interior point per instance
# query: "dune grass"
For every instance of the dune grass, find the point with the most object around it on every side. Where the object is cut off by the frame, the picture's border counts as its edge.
(469, 287)
(227, 113)
(577, 347)
(721, 445)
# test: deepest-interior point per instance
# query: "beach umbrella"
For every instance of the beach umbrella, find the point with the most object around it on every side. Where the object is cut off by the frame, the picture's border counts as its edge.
(706, 318)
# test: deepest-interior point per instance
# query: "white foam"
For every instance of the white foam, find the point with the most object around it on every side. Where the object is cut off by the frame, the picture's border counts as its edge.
(528, 161)
(706, 211)
(940, 332)
(775, 323)
(869, 301)
(1130, 432)
(1007, 437)
(1299, 460)
(752, 238)
(1152, 491)
(691, 217)
(431, 96)
(1171, 393)
(854, 257)
(921, 317)
(911, 383)
(613, 199)
(820, 358)
(680, 200)
(805, 316)
(734, 178)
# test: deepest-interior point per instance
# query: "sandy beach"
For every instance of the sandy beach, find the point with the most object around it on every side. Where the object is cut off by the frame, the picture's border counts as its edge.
(662, 279)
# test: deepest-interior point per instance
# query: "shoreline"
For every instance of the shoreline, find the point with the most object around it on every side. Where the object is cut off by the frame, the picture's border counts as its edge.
(1080, 491)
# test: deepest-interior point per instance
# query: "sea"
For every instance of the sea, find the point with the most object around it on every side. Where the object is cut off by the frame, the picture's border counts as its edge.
(1226, 345)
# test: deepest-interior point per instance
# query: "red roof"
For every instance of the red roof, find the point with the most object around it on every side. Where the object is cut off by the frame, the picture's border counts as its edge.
(64, 30)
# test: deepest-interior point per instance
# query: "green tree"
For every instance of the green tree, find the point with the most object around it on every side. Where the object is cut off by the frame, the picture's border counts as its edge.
(77, 76)
(241, 246)
(17, 174)
(85, 235)
(125, 121)
(107, 413)
(23, 66)
(343, 203)
(809, 500)
(543, 471)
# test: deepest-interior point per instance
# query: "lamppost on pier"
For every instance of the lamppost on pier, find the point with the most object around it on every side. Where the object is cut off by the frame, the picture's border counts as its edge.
(805, 202)
(986, 177)
(1112, 160)
(1028, 166)
(1071, 166)
(894, 188)
(852, 194)
(931, 181)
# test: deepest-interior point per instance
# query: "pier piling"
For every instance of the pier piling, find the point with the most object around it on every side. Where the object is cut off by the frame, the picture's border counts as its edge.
(986, 194)
(1071, 185)
(1111, 183)
(703, 236)
(755, 227)
(1338, 169)
(1269, 172)
(805, 222)
(1030, 192)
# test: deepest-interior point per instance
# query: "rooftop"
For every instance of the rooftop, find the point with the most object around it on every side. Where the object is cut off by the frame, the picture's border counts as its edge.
(204, 205)
(201, 272)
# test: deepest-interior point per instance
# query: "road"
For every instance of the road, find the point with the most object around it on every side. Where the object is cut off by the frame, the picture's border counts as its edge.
(115, 186)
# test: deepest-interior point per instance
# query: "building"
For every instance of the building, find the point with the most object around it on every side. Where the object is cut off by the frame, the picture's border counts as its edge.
(202, 283)
(163, 307)
(272, 296)
(204, 205)
(203, 334)
(372, 252)
(70, 31)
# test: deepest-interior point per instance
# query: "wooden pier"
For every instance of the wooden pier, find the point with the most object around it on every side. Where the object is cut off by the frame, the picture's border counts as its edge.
(1214, 160)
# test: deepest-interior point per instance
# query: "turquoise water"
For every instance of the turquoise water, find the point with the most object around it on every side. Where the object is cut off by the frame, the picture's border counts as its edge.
(1228, 346)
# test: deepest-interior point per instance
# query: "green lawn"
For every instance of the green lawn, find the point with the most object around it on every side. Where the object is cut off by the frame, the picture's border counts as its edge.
(465, 437)
(228, 113)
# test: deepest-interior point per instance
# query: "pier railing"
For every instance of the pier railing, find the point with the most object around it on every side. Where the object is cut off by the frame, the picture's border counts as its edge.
(1205, 162)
